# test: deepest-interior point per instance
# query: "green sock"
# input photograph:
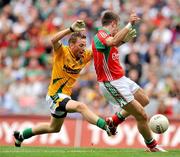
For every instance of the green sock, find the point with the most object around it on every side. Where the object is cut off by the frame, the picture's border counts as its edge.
(101, 123)
(27, 133)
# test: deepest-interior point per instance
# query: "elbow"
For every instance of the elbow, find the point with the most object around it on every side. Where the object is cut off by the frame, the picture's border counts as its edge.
(115, 43)
(52, 40)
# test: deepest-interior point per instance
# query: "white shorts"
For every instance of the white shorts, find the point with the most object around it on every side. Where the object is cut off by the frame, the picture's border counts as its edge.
(119, 92)
(55, 102)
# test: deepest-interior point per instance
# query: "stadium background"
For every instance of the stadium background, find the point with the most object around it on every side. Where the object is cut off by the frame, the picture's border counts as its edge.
(152, 60)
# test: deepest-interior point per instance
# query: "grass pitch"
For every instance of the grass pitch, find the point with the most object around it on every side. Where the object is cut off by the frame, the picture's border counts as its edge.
(11, 151)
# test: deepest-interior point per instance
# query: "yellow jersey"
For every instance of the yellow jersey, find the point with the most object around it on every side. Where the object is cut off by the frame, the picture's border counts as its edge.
(66, 69)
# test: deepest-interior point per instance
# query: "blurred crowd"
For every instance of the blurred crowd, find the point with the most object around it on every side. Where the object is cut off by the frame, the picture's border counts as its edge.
(152, 59)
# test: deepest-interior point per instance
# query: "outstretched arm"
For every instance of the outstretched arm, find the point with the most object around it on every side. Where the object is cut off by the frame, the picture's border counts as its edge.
(77, 26)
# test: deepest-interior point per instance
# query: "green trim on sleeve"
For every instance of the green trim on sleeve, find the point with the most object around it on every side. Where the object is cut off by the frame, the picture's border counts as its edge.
(102, 48)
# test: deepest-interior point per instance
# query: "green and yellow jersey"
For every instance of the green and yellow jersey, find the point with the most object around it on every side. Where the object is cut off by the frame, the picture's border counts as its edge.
(66, 69)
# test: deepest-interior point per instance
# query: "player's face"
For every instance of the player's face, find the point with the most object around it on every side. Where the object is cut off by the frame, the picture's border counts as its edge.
(115, 27)
(79, 47)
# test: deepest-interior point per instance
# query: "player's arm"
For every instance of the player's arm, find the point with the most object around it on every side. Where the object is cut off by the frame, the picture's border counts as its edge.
(129, 36)
(118, 39)
(55, 39)
(78, 25)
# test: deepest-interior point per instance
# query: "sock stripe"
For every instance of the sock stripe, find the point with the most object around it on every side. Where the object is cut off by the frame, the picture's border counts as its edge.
(120, 116)
(152, 144)
(149, 141)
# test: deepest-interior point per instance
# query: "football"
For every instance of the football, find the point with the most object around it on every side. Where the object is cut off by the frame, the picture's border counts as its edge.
(159, 123)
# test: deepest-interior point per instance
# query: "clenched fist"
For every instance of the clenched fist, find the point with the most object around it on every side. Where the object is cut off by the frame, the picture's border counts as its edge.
(78, 26)
(133, 18)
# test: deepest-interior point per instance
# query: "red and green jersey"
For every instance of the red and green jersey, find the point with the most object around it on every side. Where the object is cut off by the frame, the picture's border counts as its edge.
(106, 59)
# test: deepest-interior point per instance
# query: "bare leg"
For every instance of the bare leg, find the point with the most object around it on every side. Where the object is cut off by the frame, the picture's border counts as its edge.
(91, 117)
(75, 106)
(136, 109)
(46, 127)
(40, 128)
(141, 97)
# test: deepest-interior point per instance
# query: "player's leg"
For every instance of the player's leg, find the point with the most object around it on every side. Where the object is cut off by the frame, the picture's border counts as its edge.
(91, 117)
(143, 99)
(52, 127)
(75, 106)
(62, 103)
(56, 121)
(120, 91)
(137, 110)
(139, 95)
(41, 128)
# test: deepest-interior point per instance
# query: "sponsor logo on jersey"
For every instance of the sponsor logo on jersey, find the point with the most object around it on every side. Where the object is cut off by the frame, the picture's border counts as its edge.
(115, 56)
(70, 70)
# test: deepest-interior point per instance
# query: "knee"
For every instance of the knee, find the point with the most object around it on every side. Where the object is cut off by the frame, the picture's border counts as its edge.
(81, 107)
(146, 100)
(54, 129)
(142, 117)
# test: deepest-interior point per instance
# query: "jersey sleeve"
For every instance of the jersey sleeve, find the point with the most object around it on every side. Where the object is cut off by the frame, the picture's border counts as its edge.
(59, 52)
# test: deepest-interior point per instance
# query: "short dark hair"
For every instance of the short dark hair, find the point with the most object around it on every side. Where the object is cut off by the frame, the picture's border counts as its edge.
(73, 38)
(108, 16)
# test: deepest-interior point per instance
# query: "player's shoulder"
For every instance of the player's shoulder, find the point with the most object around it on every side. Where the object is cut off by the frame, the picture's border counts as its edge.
(65, 47)
(102, 34)
(61, 49)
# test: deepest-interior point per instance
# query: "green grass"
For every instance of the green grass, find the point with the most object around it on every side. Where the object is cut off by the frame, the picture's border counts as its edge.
(10, 151)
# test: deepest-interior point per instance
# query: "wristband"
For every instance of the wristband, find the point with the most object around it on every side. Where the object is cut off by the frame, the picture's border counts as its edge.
(128, 26)
(71, 29)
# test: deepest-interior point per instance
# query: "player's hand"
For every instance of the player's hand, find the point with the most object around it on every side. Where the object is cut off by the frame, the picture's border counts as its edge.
(133, 18)
(78, 26)
(131, 34)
